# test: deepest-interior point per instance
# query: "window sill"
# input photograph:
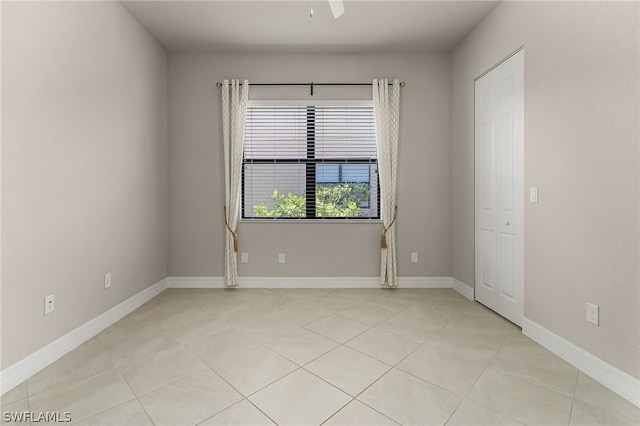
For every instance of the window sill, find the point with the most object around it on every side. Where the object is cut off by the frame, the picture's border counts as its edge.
(314, 221)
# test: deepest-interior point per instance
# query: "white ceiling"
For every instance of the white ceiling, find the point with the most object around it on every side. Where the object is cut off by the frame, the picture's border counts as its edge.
(270, 26)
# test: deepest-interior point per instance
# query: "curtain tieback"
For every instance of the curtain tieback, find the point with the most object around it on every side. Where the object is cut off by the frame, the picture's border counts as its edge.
(235, 236)
(383, 240)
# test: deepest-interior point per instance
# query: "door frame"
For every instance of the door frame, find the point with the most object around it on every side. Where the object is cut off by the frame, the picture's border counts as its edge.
(475, 192)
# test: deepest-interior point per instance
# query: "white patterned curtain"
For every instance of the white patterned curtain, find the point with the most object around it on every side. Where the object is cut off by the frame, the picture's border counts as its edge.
(234, 114)
(386, 107)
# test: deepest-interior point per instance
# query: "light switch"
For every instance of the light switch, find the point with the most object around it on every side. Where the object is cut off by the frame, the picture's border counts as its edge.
(533, 194)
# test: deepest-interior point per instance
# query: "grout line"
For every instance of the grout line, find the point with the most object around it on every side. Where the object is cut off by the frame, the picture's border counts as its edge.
(218, 374)
(258, 408)
(274, 381)
(128, 384)
(28, 401)
(337, 411)
(373, 409)
(160, 327)
(244, 398)
(328, 382)
(464, 398)
(395, 366)
(395, 335)
(573, 399)
(391, 367)
(72, 382)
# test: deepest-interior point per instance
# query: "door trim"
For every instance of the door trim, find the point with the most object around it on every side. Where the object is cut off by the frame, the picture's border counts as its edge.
(506, 58)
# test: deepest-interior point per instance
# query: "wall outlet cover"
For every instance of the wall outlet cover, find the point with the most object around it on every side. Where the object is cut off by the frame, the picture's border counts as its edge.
(49, 304)
(593, 314)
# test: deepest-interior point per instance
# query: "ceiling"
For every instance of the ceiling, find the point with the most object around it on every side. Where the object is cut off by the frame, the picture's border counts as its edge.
(285, 26)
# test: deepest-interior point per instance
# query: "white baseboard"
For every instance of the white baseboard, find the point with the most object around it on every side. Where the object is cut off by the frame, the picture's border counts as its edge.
(308, 282)
(195, 282)
(464, 289)
(17, 373)
(623, 384)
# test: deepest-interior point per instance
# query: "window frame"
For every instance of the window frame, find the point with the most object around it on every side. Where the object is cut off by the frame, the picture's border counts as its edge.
(310, 163)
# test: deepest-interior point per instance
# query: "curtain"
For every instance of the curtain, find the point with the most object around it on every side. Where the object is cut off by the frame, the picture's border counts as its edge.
(387, 112)
(234, 114)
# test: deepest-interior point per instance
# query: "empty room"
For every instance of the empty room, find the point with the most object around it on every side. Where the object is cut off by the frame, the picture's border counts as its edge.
(320, 212)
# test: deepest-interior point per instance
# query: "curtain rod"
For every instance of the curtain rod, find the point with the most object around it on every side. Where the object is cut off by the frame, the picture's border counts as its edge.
(312, 84)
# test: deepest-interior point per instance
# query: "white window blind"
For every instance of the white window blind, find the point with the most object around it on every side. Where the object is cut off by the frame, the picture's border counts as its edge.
(310, 162)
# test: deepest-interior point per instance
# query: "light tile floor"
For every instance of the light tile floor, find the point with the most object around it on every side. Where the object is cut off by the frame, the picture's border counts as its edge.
(309, 357)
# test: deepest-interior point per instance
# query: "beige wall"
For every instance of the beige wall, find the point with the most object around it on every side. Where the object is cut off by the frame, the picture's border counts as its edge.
(84, 166)
(312, 249)
(582, 150)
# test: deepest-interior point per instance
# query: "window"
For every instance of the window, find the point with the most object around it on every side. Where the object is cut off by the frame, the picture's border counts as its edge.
(310, 161)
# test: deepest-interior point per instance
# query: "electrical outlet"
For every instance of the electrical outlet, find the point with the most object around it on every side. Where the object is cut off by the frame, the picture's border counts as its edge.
(107, 280)
(593, 314)
(49, 304)
(281, 258)
(244, 258)
(414, 257)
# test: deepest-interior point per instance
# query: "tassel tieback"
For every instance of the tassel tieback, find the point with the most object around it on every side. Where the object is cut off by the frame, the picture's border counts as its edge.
(383, 240)
(235, 236)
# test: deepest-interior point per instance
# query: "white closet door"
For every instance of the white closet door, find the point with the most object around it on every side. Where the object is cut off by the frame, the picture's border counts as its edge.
(499, 188)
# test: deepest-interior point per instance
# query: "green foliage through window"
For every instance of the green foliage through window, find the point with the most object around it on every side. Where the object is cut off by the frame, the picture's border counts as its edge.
(332, 200)
(289, 205)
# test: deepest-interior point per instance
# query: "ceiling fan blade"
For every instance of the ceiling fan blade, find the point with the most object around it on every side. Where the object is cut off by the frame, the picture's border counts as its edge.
(337, 8)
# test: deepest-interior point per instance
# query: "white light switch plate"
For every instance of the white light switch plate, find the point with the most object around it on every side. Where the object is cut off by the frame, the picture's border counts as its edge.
(533, 194)
(593, 314)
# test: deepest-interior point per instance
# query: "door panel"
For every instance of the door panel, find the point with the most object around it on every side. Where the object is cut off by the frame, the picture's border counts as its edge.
(487, 165)
(507, 90)
(507, 248)
(499, 188)
(487, 254)
(506, 162)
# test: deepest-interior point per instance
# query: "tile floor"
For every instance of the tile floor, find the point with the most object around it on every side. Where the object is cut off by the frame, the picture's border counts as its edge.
(310, 357)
